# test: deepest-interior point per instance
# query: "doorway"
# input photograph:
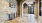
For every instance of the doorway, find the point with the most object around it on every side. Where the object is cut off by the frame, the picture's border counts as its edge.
(28, 8)
(31, 9)
(28, 11)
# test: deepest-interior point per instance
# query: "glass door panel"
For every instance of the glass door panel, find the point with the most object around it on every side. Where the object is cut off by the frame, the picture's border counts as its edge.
(31, 9)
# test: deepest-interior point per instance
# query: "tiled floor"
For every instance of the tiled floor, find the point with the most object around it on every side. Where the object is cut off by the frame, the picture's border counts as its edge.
(30, 18)
(25, 19)
(40, 19)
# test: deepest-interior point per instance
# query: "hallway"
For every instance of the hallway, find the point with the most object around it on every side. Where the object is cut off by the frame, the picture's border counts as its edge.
(30, 18)
(18, 11)
(25, 19)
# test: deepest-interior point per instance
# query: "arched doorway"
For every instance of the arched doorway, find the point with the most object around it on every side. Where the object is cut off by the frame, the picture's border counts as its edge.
(28, 9)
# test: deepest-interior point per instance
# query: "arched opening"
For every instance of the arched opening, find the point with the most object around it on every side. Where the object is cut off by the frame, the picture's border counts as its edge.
(29, 10)
(28, 7)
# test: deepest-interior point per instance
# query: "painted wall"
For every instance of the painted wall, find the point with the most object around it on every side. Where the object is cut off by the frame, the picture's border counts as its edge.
(3, 3)
(3, 16)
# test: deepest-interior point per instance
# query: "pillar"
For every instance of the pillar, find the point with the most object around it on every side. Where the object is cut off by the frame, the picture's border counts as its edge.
(18, 7)
(36, 9)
